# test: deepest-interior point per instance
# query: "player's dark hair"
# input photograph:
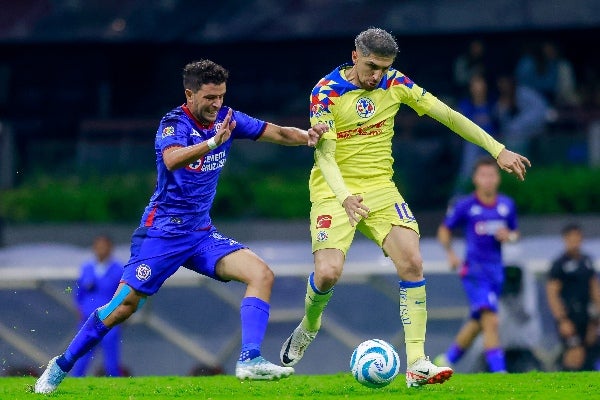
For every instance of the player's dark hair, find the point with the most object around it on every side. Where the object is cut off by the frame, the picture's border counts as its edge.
(572, 227)
(485, 160)
(376, 41)
(198, 73)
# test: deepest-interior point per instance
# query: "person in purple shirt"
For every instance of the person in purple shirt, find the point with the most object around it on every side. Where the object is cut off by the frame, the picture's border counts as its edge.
(479, 108)
(487, 219)
(192, 145)
(98, 281)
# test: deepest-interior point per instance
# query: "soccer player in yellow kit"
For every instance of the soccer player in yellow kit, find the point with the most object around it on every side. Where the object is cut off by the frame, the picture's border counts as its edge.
(351, 188)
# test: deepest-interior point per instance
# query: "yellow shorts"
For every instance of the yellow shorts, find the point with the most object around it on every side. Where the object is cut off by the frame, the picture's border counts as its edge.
(331, 229)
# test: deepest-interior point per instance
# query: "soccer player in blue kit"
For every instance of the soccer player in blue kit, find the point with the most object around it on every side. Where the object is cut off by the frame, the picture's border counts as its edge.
(488, 219)
(192, 144)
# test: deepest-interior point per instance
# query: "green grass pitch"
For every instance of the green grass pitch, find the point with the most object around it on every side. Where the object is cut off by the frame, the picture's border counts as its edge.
(535, 385)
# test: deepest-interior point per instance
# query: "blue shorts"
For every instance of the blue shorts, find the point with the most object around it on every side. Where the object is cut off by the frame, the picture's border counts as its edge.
(483, 288)
(155, 256)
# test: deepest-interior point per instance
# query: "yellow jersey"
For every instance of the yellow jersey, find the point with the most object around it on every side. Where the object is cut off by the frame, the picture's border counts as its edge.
(362, 123)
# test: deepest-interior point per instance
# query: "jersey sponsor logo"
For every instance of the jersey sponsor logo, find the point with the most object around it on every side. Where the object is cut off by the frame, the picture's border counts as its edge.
(365, 107)
(195, 133)
(210, 162)
(143, 272)
(489, 227)
(369, 130)
(168, 131)
(323, 221)
(322, 236)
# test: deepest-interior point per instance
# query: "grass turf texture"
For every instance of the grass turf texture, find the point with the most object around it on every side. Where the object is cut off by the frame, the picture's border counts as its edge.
(544, 385)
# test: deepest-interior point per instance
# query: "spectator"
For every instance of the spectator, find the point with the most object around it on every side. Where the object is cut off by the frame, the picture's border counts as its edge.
(479, 108)
(520, 112)
(573, 293)
(469, 64)
(98, 280)
(543, 69)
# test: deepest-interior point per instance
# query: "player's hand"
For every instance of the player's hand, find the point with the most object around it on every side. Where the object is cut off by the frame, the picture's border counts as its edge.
(453, 260)
(224, 132)
(502, 235)
(513, 163)
(566, 328)
(355, 209)
(315, 133)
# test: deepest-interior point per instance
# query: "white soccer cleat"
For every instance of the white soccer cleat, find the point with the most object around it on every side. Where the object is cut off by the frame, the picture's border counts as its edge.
(50, 379)
(294, 347)
(424, 372)
(260, 369)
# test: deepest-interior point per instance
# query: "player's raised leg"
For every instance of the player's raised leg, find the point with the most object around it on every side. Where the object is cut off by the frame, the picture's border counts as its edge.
(125, 302)
(245, 266)
(402, 245)
(319, 289)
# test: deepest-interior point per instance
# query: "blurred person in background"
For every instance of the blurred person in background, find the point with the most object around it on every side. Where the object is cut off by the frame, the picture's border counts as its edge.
(97, 283)
(543, 68)
(479, 108)
(192, 144)
(352, 188)
(573, 293)
(470, 63)
(521, 113)
(488, 219)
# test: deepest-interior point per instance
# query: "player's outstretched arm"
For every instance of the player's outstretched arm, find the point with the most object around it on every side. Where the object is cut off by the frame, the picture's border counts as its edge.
(291, 136)
(507, 160)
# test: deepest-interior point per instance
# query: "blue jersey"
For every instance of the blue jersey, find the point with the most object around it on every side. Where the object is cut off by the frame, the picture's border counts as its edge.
(97, 284)
(182, 199)
(480, 223)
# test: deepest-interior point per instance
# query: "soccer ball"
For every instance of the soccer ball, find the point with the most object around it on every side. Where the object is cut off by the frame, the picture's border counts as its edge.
(374, 363)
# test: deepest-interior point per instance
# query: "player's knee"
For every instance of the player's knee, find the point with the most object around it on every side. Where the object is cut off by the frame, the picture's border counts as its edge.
(262, 276)
(327, 276)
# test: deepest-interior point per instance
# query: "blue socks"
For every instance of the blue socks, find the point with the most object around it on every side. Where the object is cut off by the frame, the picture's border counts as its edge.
(255, 316)
(495, 360)
(454, 353)
(90, 334)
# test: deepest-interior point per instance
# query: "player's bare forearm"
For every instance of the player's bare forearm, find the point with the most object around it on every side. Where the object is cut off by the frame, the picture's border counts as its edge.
(292, 136)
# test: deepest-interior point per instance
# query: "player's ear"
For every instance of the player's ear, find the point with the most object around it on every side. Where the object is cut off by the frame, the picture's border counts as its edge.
(188, 94)
(354, 56)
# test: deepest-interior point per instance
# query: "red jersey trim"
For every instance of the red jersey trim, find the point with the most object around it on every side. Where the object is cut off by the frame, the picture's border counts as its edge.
(150, 218)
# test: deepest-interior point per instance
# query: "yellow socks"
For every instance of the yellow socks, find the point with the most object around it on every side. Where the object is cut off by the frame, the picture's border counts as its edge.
(314, 304)
(413, 313)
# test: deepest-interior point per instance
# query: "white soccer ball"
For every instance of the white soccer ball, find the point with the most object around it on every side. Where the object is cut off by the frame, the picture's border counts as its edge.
(375, 363)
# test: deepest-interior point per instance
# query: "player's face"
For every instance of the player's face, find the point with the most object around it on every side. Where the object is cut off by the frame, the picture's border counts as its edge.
(370, 69)
(486, 179)
(573, 240)
(206, 102)
(102, 248)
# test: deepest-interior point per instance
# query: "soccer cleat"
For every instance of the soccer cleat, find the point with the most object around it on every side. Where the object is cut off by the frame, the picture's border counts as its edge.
(260, 369)
(424, 372)
(50, 379)
(294, 347)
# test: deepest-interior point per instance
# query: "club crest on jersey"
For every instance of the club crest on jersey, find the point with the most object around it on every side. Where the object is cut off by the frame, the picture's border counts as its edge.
(143, 272)
(365, 107)
(323, 221)
(168, 131)
(317, 110)
(322, 236)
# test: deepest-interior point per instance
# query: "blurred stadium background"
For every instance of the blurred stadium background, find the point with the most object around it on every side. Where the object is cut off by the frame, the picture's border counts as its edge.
(83, 85)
